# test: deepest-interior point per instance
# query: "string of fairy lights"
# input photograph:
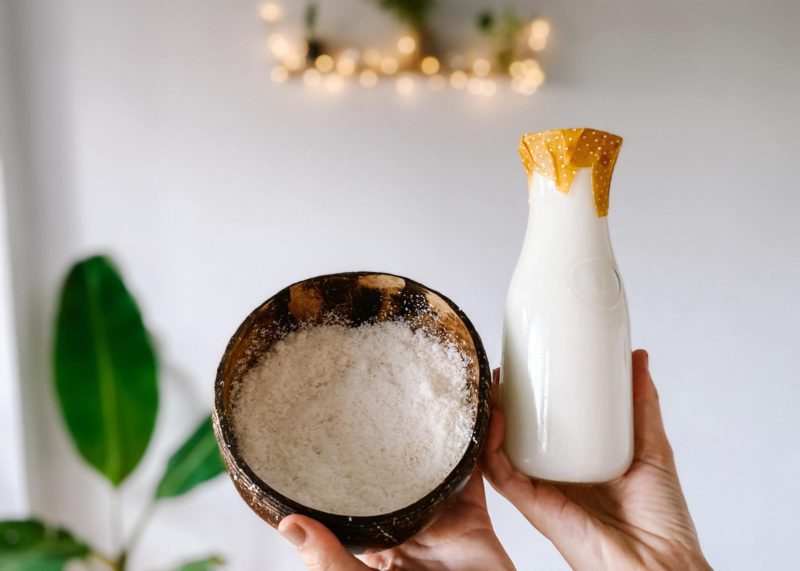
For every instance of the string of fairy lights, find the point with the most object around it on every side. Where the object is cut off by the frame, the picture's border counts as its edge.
(409, 64)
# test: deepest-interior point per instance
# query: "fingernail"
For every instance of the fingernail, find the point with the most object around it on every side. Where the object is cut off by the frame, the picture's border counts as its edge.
(647, 360)
(294, 533)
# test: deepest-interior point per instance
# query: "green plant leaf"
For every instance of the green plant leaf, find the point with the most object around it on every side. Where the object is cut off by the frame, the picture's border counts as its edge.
(196, 461)
(311, 15)
(208, 564)
(105, 369)
(485, 21)
(29, 545)
(412, 12)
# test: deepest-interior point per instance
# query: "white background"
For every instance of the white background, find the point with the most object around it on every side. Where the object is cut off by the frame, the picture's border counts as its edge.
(151, 131)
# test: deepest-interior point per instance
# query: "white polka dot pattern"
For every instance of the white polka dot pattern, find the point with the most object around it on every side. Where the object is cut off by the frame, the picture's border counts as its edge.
(559, 153)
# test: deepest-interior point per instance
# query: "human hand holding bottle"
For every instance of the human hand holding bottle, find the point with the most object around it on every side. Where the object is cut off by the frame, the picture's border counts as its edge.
(639, 520)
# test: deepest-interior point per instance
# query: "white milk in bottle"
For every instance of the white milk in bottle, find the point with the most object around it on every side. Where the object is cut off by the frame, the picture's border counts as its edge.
(566, 370)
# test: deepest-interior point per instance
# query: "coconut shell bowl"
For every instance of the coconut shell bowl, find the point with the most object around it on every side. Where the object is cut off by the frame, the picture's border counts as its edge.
(354, 298)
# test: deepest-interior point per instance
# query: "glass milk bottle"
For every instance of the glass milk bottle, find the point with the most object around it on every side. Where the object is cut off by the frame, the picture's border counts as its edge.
(566, 370)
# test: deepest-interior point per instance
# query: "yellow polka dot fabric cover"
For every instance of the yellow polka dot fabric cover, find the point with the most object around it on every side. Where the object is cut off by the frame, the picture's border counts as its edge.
(559, 153)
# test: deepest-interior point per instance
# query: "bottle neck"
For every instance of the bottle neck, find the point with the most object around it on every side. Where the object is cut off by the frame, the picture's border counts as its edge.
(566, 223)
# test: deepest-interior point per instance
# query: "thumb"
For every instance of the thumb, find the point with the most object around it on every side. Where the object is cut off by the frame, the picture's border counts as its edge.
(319, 549)
(650, 439)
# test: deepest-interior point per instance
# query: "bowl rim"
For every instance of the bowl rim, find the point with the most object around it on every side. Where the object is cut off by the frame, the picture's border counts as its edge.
(454, 479)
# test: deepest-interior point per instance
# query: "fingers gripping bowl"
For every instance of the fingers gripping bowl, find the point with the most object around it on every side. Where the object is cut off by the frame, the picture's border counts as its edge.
(354, 299)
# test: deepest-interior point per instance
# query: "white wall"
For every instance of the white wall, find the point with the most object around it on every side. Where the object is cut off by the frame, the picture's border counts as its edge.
(13, 491)
(152, 131)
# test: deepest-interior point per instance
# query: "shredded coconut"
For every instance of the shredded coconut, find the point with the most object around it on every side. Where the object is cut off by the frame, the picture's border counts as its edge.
(354, 421)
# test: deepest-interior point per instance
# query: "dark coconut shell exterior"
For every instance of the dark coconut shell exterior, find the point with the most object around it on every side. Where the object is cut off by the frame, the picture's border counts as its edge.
(356, 298)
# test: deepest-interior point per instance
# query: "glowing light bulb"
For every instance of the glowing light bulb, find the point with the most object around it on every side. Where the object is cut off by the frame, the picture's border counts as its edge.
(324, 63)
(429, 65)
(278, 45)
(372, 57)
(334, 83)
(475, 85)
(515, 69)
(405, 85)
(537, 43)
(481, 67)
(489, 88)
(525, 86)
(406, 45)
(351, 53)
(302, 49)
(540, 28)
(312, 78)
(529, 66)
(346, 65)
(437, 82)
(270, 12)
(293, 62)
(389, 65)
(279, 74)
(368, 78)
(458, 79)
(536, 77)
